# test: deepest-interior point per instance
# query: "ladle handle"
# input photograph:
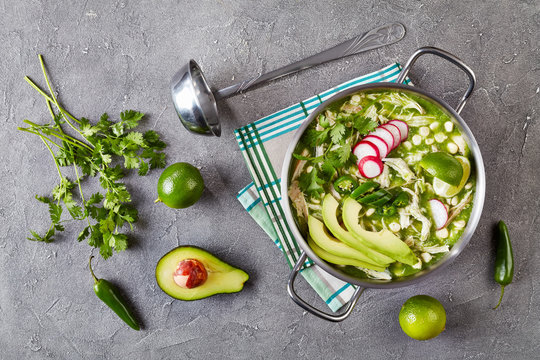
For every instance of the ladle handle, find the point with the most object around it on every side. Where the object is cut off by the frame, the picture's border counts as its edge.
(347, 309)
(381, 36)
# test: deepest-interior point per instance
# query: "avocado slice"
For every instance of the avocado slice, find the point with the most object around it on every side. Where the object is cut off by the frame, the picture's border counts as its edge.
(334, 251)
(383, 241)
(329, 212)
(220, 276)
(334, 259)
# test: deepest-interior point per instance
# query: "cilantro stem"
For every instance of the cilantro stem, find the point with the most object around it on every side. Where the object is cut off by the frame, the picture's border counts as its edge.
(46, 96)
(52, 154)
(59, 135)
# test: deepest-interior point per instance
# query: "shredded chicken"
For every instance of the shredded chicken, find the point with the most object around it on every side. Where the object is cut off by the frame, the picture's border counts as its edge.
(414, 209)
(371, 112)
(298, 200)
(459, 207)
(401, 167)
(435, 249)
(350, 108)
(384, 178)
(383, 275)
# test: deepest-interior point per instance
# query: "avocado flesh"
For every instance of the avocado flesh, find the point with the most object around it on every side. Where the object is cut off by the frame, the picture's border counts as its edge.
(334, 259)
(332, 246)
(222, 277)
(329, 212)
(383, 241)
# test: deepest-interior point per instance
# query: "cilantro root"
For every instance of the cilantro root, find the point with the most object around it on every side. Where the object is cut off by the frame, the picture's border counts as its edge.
(94, 150)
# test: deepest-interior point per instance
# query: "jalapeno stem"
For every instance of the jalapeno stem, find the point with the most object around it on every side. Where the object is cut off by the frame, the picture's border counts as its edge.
(92, 271)
(500, 298)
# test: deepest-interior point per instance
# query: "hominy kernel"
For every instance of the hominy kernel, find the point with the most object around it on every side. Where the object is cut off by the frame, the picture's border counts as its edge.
(452, 148)
(443, 233)
(440, 137)
(424, 131)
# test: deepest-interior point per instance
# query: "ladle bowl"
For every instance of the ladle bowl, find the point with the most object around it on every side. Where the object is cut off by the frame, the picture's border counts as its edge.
(195, 103)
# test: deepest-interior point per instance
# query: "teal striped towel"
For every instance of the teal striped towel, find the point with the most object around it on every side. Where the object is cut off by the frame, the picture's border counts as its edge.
(263, 145)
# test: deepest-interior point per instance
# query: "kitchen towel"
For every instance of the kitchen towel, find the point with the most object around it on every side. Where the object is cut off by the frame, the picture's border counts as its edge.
(263, 144)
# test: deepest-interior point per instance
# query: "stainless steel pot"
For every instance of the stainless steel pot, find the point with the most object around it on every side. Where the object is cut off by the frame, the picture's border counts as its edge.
(478, 200)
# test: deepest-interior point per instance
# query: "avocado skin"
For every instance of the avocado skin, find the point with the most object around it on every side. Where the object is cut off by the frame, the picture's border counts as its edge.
(222, 277)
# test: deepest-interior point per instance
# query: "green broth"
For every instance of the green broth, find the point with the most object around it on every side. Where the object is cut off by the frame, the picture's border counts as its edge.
(429, 131)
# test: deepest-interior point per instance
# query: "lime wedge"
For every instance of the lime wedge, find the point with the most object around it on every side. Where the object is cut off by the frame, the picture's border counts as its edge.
(443, 166)
(446, 190)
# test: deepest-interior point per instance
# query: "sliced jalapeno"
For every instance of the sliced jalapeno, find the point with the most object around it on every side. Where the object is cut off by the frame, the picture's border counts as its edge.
(386, 210)
(401, 200)
(378, 198)
(364, 188)
(345, 184)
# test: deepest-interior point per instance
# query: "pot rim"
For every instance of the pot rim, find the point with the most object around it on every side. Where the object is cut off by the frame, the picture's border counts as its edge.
(478, 200)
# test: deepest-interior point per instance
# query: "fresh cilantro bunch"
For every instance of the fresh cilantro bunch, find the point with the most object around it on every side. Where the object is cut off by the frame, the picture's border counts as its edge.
(337, 140)
(104, 149)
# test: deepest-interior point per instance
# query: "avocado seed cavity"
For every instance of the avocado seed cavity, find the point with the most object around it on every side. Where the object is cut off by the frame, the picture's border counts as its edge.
(190, 273)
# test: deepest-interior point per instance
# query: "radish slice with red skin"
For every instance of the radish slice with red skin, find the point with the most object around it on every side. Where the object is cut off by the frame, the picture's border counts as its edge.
(439, 213)
(402, 126)
(379, 143)
(370, 167)
(386, 136)
(394, 130)
(365, 148)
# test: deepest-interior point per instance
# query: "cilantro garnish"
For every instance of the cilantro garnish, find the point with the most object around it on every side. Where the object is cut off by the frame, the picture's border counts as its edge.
(93, 152)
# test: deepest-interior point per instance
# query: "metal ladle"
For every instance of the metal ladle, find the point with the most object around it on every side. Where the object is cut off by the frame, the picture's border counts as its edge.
(195, 103)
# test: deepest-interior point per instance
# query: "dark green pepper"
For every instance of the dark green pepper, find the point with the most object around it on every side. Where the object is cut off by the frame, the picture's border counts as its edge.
(364, 188)
(401, 200)
(378, 198)
(504, 261)
(386, 210)
(111, 297)
(345, 184)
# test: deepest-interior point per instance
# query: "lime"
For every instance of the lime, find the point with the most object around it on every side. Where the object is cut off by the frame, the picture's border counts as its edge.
(444, 189)
(180, 185)
(443, 166)
(422, 317)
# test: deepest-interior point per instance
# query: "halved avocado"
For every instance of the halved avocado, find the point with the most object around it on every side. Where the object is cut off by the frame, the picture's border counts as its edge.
(383, 241)
(334, 259)
(329, 212)
(221, 277)
(336, 249)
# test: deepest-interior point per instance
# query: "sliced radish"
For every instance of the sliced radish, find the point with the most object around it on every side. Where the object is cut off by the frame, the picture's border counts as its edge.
(379, 143)
(439, 213)
(402, 126)
(370, 166)
(365, 148)
(386, 136)
(394, 130)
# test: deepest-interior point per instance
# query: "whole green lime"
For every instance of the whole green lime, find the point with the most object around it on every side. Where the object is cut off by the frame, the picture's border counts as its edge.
(422, 317)
(180, 185)
(443, 166)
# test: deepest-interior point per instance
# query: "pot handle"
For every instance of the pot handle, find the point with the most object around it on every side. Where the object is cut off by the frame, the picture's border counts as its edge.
(304, 305)
(447, 56)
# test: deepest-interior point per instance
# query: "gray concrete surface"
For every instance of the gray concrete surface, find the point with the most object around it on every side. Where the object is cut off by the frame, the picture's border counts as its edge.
(109, 56)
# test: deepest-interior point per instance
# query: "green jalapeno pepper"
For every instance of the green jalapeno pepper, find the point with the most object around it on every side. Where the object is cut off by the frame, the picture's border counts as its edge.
(401, 200)
(364, 188)
(378, 198)
(504, 261)
(386, 210)
(107, 293)
(345, 184)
